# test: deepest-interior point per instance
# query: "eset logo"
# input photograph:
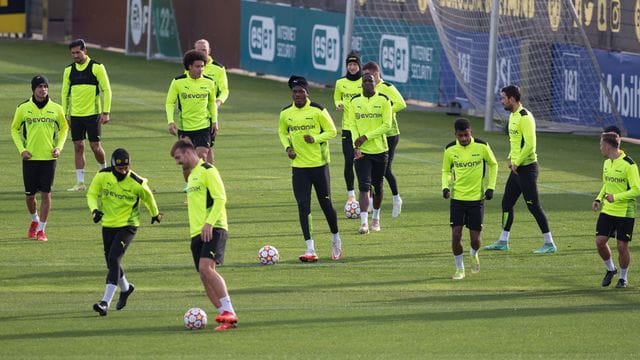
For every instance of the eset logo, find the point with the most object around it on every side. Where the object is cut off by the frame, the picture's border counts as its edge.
(262, 40)
(394, 58)
(325, 47)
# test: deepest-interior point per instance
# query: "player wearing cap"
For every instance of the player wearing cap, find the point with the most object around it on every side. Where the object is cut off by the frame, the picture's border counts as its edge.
(346, 88)
(114, 198)
(305, 129)
(39, 131)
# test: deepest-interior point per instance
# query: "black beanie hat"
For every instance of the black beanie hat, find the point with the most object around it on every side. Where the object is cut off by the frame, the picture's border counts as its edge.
(37, 81)
(353, 57)
(296, 80)
(120, 157)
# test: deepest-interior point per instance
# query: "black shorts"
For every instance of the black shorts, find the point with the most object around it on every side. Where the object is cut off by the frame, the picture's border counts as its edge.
(467, 213)
(38, 175)
(199, 138)
(85, 126)
(613, 226)
(213, 249)
(370, 169)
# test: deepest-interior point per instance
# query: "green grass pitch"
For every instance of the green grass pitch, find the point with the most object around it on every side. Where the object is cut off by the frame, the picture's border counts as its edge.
(391, 297)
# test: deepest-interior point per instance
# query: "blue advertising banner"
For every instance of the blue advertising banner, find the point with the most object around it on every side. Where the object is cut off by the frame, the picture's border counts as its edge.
(282, 40)
(470, 58)
(622, 79)
(409, 55)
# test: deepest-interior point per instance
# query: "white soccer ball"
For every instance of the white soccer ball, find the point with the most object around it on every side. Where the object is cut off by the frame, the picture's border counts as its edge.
(352, 209)
(195, 319)
(268, 255)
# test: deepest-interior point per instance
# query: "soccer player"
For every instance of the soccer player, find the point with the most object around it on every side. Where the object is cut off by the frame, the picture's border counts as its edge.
(217, 72)
(393, 135)
(617, 199)
(39, 131)
(114, 198)
(82, 83)
(371, 116)
(195, 94)
(523, 176)
(207, 226)
(346, 88)
(305, 128)
(467, 164)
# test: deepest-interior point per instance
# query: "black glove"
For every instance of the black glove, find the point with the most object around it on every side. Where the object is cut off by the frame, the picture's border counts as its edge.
(157, 218)
(488, 194)
(446, 193)
(97, 215)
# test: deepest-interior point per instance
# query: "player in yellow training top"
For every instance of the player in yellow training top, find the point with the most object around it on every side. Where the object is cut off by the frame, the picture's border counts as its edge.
(195, 96)
(39, 131)
(468, 168)
(82, 83)
(371, 117)
(207, 227)
(393, 135)
(218, 73)
(346, 88)
(523, 175)
(114, 199)
(617, 199)
(305, 128)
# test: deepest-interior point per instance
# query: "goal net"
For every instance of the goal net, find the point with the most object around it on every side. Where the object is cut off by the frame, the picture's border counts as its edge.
(541, 47)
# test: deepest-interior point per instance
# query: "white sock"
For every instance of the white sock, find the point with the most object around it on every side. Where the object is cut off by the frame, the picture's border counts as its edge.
(351, 193)
(109, 291)
(225, 305)
(609, 265)
(548, 239)
(396, 198)
(459, 262)
(102, 166)
(80, 176)
(504, 236)
(123, 284)
(310, 246)
(364, 216)
(42, 225)
(335, 237)
(35, 217)
(375, 214)
(623, 273)
(473, 252)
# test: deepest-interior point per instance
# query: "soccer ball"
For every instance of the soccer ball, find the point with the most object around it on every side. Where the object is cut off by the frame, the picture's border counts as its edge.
(268, 255)
(195, 319)
(352, 209)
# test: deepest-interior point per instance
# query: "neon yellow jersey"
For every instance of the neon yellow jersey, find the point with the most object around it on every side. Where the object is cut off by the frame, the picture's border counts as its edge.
(196, 99)
(371, 116)
(397, 104)
(218, 73)
(344, 91)
(620, 178)
(81, 88)
(522, 137)
(120, 200)
(312, 119)
(207, 199)
(466, 169)
(39, 131)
